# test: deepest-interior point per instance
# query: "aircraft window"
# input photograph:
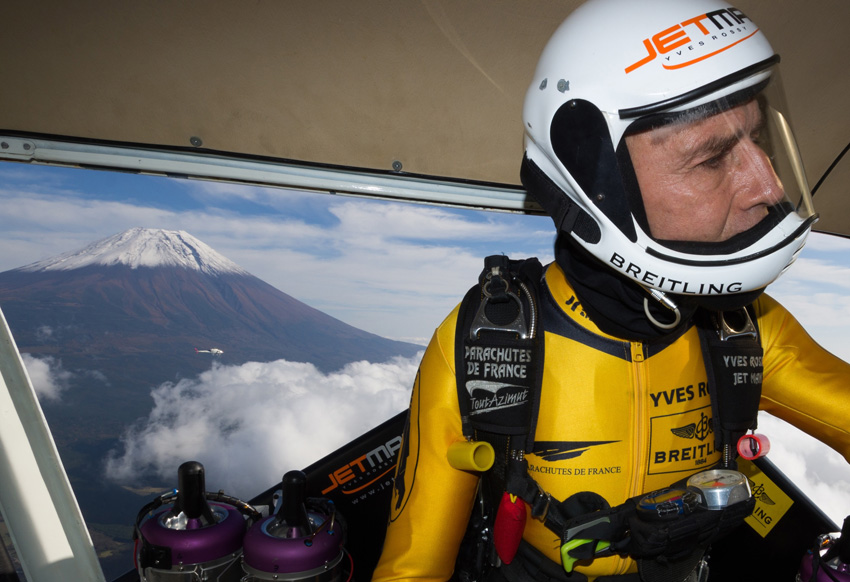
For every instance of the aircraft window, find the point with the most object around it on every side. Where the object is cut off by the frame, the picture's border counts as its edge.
(128, 397)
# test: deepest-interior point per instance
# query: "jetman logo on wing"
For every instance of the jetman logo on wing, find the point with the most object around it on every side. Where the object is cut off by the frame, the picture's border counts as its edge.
(699, 32)
(380, 458)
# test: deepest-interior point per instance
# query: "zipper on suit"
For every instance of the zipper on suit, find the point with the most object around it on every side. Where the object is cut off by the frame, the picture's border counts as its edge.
(639, 371)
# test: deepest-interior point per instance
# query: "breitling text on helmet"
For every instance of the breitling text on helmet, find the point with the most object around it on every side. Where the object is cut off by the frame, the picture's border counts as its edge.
(712, 26)
(674, 286)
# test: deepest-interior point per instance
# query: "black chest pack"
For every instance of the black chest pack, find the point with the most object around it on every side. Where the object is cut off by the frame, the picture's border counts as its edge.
(499, 361)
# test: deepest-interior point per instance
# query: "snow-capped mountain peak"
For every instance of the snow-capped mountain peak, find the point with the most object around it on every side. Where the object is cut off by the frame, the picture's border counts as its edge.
(144, 247)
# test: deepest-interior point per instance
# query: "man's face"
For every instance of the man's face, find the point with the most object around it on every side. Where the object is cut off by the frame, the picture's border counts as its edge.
(708, 180)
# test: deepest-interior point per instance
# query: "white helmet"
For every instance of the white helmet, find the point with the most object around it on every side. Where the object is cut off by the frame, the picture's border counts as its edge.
(618, 67)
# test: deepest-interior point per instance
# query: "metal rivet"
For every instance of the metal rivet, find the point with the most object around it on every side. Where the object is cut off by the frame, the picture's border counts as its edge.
(196, 141)
(27, 146)
(396, 166)
(600, 197)
(4, 145)
(543, 84)
(563, 85)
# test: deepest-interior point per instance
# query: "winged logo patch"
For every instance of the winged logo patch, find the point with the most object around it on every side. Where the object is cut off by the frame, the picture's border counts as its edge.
(696, 430)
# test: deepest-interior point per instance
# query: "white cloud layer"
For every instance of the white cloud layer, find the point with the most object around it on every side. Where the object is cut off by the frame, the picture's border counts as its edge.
(820, 472)
(252, 423)
(816, 290)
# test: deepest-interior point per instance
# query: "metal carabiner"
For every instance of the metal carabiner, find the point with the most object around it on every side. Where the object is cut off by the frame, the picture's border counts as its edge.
(482, 323)
(726, 331)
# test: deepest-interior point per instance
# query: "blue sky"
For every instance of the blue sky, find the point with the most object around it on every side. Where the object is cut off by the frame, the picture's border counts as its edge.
(392, 269)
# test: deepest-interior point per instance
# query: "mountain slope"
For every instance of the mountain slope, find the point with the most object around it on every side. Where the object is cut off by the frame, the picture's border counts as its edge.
(160, 293)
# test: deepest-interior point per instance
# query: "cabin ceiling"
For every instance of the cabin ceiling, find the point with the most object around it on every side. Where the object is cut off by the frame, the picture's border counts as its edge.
(436, 86)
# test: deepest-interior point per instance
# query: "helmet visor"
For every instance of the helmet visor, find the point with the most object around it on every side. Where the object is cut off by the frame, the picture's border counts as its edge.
(723, 176)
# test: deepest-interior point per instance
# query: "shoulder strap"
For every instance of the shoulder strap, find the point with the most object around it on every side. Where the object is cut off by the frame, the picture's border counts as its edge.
(499, 351)
(733, 355)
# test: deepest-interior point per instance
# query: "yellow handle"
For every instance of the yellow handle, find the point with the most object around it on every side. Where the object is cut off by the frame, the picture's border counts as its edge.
(471, 455)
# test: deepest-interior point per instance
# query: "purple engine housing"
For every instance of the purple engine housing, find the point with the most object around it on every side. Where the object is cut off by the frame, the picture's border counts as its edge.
(301, 556)
(832, 555)
(194, 543)
(826, 572)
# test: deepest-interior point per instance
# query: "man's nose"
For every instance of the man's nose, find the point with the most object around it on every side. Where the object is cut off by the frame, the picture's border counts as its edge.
(762, 184)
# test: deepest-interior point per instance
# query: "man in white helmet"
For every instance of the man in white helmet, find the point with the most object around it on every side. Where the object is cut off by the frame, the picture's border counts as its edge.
(657, 140)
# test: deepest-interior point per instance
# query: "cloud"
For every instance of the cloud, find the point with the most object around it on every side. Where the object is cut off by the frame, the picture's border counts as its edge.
(816, 290)
(226, 192)
(44, 333)
(825, 242)
(820, 271)
(820, 472)
(250, 424)
(37, 226)
(48, 377)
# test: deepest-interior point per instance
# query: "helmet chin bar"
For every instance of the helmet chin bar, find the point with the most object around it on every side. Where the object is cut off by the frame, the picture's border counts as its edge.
(736, 243)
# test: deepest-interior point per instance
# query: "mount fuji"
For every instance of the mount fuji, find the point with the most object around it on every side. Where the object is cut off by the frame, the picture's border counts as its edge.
(144, 247)
(159, 293)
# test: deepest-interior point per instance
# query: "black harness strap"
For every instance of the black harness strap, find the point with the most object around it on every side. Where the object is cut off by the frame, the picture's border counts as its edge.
(734, 364)
(499, 352)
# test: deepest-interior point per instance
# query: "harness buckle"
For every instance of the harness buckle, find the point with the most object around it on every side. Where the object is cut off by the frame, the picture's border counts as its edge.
(483, 323)
(540, 507)
(742, 325)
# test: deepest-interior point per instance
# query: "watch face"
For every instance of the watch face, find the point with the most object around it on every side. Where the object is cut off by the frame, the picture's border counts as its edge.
(668, 504)
(721, 487)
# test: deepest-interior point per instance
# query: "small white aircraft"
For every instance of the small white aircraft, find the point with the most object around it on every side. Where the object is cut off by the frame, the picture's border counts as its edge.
(213, 351)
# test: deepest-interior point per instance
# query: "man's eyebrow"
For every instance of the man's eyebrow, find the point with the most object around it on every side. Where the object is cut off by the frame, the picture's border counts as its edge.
(712, 146)
(715, 145)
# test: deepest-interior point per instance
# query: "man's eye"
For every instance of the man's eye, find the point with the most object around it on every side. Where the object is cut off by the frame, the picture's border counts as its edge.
(714, 162)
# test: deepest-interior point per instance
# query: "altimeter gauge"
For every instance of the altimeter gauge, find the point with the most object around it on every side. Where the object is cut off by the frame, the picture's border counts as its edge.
(721, 487)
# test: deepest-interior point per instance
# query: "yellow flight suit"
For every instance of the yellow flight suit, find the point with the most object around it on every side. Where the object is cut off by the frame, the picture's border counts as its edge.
(635, 415)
